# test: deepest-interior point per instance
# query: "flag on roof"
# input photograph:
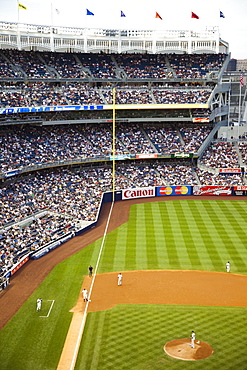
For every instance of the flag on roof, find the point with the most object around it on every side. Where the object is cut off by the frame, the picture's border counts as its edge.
(57, 11)
(158, 16)
(21, 6)
(221, 14)
(122, 14)
(193, 15)
(241, 80)
(89, 13)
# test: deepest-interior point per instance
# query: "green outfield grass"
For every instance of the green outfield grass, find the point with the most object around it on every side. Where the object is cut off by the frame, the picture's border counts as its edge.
(182, 234)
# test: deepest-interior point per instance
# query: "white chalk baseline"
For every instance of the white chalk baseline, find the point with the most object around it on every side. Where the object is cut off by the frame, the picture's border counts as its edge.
(52, 303)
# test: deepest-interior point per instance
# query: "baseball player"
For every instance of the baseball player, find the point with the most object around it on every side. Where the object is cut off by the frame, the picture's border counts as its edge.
(193, 338)
(85, 295)
(39, 304)
(119, 279)
(90, 270)
(228, 266)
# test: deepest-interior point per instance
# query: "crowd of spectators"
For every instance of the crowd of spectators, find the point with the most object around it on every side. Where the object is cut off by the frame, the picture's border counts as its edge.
(172, 174)
(5, 71)
(165, 138)
(43, 93)
(148, 66)
(193, 137)
(100, 65)
(196, 66)
(182, 96)
(66, 197)
(64, 64)
(243, 151)
(208, 178)
(29, 62)
(221, 154)
(24, 146)
(38, 64)
(18, 241)
(128, 96)
(43, 206)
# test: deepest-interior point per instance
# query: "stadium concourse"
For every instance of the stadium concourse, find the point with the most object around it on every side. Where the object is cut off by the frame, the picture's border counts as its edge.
(56, 138)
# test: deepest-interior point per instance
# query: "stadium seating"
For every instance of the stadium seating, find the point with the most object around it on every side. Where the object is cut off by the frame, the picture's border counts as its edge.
(41, 206)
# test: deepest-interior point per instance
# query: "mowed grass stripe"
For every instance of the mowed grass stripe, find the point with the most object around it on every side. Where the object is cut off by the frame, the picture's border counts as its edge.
(167, 221)
(229, 236)
(140, 237)
(129, 258)
(197, 236)
(159, 237)
(187, 228)
(88, 356)
(180, 237)
(234, 238)
(206, 226)
(120, 240)
(106, 262)
(151, 253)
(234, 211)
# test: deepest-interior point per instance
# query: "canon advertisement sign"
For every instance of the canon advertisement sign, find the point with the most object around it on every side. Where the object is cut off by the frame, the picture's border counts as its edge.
(138, 193)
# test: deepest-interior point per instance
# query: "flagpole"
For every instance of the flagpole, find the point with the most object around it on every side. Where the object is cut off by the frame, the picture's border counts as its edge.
(51, 29)
(18, 27)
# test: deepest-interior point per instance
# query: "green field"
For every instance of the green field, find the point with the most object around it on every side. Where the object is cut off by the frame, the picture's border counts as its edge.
(182, 234)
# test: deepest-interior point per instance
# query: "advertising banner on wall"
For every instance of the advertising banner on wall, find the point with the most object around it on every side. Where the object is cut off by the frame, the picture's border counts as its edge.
(240, 190)
(138, 193)
(173, 190)
(182, 155)
(18, 265)
(144, 156)
(230, 170)
(200, 119)
(212, 190)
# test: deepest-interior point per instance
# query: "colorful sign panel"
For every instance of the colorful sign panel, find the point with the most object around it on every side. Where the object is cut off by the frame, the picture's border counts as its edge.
(173, 190)
(240, 190)
(230, 170)
(212, 190)
(138, 193)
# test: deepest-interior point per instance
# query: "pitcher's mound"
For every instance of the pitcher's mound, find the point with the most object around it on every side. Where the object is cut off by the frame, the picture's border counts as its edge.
(181, 349)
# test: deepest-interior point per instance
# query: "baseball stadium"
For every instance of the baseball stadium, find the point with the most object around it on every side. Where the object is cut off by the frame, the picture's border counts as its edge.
(123, 152)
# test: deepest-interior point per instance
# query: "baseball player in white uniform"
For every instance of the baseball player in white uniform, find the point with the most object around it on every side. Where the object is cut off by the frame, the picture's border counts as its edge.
(119, 279)
(228, 266)
(193, 338)
(39, 304)
(85, 295)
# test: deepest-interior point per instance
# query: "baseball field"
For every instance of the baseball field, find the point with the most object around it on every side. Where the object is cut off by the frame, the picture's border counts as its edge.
(178, 234)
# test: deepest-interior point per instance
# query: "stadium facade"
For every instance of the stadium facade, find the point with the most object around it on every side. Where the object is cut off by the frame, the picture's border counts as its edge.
(85, 40)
